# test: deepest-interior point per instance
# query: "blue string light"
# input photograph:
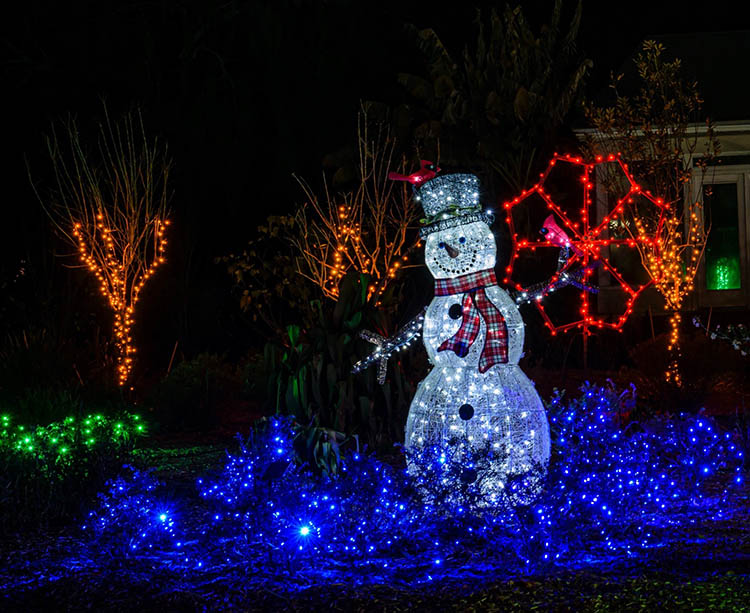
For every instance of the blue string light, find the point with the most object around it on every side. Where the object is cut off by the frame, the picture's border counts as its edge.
(131, 510)
(612, 489)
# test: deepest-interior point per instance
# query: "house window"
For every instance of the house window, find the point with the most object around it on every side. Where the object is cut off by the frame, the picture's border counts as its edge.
(723, 277)
(722, 270)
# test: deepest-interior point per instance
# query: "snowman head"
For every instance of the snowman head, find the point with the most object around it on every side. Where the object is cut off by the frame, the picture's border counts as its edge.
(458, 239)
(460, 250)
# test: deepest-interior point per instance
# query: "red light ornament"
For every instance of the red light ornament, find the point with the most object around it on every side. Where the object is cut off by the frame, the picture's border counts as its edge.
(587, 240)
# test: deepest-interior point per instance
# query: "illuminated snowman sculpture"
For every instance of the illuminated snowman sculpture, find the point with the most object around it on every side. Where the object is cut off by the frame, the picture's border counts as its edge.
(476, 403)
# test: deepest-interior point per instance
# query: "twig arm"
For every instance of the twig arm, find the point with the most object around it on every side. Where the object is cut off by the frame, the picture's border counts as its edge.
(385, 347)
(560, 279)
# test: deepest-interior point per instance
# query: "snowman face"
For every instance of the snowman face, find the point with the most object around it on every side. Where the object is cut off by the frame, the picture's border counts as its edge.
(460, 250)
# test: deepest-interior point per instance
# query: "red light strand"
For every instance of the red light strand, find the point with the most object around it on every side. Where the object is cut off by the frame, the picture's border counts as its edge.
(586, 239)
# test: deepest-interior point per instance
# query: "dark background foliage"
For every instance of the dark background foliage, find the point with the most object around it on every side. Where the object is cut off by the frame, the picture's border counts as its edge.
(245, 94)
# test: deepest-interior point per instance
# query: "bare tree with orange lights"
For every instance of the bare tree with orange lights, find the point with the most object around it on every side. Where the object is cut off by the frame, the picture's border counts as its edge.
(367, 230)
(656, 129)
(111, 205)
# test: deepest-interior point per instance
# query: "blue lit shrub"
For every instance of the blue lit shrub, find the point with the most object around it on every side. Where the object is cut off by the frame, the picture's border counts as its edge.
(293, 515)
(609, 491)
(626, 484)
(133, 514)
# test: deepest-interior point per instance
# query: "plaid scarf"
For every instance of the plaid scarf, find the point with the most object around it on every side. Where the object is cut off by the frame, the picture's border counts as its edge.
(475, 303)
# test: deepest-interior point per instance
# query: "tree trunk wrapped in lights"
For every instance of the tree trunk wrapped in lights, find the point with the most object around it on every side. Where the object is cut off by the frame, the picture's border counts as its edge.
(656, 130)
(110, 203)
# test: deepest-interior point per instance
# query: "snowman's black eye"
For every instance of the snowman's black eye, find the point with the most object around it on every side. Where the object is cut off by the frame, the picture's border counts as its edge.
(441, 245)
(462, 239)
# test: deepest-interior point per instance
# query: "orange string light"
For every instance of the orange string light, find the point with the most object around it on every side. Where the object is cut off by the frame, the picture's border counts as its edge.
(120, 283)
(370, 232)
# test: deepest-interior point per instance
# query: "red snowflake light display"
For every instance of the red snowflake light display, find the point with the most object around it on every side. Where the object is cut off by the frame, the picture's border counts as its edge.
(586, 240)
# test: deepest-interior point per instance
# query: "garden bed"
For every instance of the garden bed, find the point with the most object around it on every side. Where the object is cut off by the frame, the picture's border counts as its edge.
(238, 530)
(706, 568)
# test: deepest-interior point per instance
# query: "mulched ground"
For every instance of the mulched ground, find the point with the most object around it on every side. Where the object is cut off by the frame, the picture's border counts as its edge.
(673, 584)
(708, 569)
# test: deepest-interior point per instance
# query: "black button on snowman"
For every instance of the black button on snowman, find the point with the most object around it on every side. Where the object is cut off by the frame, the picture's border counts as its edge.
(455, 311)
(476, 397)
(466, 412)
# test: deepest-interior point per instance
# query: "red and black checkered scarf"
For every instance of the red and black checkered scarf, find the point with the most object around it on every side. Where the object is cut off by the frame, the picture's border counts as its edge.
(473, 304)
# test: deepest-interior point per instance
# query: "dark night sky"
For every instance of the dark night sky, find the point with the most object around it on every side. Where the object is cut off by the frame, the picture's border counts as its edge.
(249, 92)
(246, 93)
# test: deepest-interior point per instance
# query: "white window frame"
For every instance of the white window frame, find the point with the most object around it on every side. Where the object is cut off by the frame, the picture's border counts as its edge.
(740, 175)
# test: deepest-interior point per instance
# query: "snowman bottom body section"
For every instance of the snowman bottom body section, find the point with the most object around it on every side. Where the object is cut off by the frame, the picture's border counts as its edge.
(493, 425)
(476, 403)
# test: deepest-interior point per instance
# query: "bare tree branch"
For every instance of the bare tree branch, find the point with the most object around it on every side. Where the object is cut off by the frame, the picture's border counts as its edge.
(111, 205)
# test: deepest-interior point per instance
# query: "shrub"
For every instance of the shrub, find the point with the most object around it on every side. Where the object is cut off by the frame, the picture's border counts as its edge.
(609, 491)
(155, 517)
(190, 396)
(43, 405)
(707, 368)
(48, 473)
(30, 356)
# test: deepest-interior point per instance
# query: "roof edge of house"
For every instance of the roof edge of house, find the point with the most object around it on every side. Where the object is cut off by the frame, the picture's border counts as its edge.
(738, 126)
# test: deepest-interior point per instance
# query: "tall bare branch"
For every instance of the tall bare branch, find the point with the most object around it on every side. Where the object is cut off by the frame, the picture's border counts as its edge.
(111, 205)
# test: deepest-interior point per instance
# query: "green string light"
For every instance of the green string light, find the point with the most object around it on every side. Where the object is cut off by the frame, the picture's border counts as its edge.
(58, 438)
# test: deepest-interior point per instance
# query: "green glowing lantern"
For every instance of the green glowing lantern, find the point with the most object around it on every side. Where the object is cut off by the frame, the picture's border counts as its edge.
(723, 274)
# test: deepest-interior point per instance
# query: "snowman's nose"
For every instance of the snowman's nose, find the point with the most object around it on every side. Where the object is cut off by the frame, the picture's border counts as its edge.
(453, 252)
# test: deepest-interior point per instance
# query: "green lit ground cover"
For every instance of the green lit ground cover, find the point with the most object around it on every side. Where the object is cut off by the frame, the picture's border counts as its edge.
(56, 441)
(49, 472)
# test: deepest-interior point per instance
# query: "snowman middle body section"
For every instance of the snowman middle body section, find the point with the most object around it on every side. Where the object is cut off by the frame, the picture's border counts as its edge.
(498, 410)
